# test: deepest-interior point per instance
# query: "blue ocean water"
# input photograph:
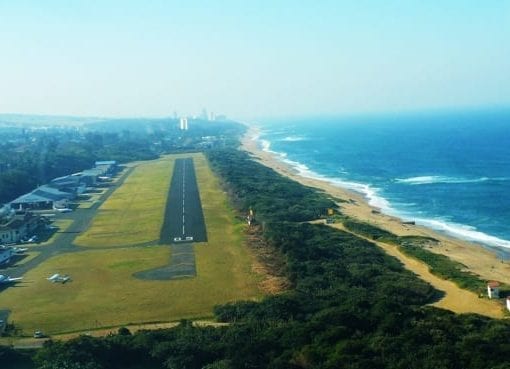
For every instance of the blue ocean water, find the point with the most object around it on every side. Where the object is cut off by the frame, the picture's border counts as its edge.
(449, 171)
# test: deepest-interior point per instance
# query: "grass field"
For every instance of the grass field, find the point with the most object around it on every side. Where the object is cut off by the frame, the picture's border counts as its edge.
(134, 213)
(104, 293)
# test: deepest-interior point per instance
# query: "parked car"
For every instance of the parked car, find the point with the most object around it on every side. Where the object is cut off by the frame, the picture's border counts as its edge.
(39, 334)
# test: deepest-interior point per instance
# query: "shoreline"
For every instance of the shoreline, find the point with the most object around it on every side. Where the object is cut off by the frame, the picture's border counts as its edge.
(481, 260)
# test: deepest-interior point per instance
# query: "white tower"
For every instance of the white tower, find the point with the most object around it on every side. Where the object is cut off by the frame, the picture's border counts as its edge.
(184, 124)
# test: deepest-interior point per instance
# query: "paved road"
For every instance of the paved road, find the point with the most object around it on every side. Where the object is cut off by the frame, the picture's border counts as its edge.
(184, 219)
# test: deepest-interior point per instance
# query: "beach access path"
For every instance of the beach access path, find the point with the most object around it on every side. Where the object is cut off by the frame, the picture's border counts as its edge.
(454, 298)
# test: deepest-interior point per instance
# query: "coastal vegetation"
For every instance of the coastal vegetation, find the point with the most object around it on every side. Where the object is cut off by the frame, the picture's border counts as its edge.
(446, 268)
(273, 198)
(350, 306)
(413, 246)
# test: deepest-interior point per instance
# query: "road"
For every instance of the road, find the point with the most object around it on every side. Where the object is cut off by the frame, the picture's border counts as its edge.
(184, 219)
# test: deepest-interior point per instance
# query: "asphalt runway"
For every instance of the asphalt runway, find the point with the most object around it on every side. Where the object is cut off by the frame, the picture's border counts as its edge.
(4, 314)
(184, 219)
(181, 265)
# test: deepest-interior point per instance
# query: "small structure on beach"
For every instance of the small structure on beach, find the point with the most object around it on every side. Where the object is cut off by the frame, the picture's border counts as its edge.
(493, 290)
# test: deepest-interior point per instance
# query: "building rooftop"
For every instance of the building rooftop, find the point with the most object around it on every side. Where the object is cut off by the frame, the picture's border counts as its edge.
(31, 198)
(106, 162)
(17, 221)
(66, 180)
(92, 172)
(42, 194)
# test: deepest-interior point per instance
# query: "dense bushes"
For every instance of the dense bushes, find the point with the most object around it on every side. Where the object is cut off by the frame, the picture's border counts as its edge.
(271, 196)
(439, 265)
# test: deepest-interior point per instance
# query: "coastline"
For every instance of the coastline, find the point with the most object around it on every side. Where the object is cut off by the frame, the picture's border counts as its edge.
(476, 258)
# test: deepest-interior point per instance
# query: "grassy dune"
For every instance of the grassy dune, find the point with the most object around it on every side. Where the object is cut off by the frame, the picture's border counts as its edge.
(103, 291)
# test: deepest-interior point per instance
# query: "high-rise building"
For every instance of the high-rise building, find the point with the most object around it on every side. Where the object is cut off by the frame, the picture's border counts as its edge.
(204, 115)
(184, 124)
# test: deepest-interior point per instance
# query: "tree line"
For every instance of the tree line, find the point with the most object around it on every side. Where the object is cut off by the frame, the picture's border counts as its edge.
(29, 158)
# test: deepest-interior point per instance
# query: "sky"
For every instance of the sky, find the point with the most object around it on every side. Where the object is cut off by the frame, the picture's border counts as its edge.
(252, 59)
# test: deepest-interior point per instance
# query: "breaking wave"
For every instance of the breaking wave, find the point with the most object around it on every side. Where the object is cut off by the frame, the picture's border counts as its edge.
(373, 197)
(421, 180)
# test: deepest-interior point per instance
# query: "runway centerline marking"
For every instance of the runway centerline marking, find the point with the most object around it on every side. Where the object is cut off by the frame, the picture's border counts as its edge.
(184, 218)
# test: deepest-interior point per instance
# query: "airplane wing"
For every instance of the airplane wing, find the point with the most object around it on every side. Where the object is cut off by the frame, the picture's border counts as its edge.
(54, 276)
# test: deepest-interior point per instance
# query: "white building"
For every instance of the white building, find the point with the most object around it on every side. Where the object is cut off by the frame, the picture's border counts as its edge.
(184, 124)
(493, 290)
(17, 226)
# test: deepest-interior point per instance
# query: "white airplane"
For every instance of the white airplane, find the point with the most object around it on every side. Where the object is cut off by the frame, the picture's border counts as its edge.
(58, 278)
(7, 279)
(29, 240)
(63, 210)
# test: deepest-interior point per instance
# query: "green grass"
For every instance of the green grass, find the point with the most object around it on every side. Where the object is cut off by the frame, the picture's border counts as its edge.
(134, 213)
(444, 267)
(368, 230)
(104, 293)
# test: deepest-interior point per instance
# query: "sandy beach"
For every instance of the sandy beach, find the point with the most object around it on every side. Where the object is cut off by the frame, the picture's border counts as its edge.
(476, 258)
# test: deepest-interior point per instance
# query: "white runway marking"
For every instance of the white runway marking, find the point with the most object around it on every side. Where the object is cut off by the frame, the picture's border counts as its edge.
(183, 198)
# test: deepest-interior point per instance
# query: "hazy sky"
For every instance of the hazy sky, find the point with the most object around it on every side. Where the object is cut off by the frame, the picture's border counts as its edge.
(251, 58)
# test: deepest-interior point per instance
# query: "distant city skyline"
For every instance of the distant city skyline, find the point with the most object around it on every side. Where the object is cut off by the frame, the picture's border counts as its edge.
(260, 59)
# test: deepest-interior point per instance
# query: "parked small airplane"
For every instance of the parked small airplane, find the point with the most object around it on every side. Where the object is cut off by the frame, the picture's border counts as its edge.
(58, 278)
(7, 279)
(30, 239)
(64, 210)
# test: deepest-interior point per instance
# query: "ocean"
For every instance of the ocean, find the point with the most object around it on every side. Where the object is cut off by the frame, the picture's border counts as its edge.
(449, 171)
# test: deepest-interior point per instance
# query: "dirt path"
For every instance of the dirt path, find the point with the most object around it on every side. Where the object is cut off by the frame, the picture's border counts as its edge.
(455, 298)
(30, 343)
